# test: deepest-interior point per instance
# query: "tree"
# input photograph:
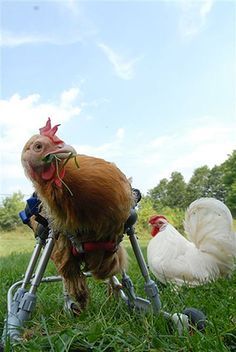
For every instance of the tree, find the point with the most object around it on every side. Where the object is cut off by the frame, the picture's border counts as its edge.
(175, 217)
(176, 191)
(145, 211)
(9, 210)
(218, 182)
(216, 186)
(198, 184)
(229, 179)
(158, 194)
(169, 193)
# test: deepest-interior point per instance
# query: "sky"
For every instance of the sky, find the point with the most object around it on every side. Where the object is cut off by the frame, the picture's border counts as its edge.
(149, 85)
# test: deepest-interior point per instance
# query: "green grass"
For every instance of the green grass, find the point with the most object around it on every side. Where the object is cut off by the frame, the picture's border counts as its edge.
(19, 241)
(22, 241)
(108, 325)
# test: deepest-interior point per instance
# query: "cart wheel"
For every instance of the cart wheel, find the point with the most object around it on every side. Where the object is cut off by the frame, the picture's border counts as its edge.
(178, 322)
(196, 318)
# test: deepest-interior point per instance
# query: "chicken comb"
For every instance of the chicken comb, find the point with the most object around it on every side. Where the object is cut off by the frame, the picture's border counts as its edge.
(50, 132)
(154, 218)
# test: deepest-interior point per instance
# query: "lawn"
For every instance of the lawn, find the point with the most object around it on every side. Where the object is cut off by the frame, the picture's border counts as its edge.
(20, 241)
(107, 324)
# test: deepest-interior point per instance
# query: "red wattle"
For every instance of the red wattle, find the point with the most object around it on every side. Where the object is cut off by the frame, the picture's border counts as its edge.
(57, 180)
(49, 172)
(154, 231)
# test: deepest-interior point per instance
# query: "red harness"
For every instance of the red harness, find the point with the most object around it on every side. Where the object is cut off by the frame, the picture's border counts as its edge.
(94, 246)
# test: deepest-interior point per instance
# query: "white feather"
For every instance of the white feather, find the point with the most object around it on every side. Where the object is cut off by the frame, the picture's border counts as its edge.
(207, 253)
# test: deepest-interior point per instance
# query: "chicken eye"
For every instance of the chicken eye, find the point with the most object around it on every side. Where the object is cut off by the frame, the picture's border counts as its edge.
(38, 147)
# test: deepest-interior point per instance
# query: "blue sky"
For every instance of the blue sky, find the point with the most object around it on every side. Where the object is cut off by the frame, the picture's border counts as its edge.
(150, 86)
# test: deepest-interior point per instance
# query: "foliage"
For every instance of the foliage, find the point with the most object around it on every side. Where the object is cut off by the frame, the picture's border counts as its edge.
(175, 217)
(216, 186)
(176, 191)
(206, 182)
(145, 211)
(169, 193)
(159, 194)
(229, 178)
(11, 206)
(218, 182)
(198, 184)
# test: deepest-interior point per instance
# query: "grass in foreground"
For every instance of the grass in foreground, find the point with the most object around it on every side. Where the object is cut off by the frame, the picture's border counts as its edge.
(108, 325)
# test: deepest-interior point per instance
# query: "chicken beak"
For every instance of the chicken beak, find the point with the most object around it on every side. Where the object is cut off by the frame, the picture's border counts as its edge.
(62, 151)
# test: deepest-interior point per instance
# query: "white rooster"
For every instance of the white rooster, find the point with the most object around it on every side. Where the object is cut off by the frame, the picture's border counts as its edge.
(208, 252)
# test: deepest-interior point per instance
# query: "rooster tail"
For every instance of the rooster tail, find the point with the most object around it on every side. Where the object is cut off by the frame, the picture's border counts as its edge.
(209, 225)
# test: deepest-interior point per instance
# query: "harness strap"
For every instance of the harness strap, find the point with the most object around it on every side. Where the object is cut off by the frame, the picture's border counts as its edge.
(94, 246)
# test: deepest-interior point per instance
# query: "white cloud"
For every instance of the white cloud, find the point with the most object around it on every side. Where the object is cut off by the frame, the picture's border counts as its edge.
(148, 161)
(205, 141)
(109, 150)
(123, 68)
(205, 8)
(16, 39)
(74, 28)
(120, 133)
(194, 16)
(68, 97)
(159, 141)
(9, 39)
(198, 145)
(72, 5)
(18, 113)
(20, 117)
(208, 144)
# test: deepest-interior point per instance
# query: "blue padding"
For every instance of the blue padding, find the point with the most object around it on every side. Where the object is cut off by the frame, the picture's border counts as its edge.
(32, 208)
(33, 205)
(24, 217)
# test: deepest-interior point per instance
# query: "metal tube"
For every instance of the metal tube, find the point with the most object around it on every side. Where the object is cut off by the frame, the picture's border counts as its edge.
(42, 263)
(118, 285)
(19, 283)
(32, 263)
(150, 286)
(139, 255)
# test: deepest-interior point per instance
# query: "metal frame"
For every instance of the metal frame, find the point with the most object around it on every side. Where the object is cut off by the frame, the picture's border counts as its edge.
(22, 304)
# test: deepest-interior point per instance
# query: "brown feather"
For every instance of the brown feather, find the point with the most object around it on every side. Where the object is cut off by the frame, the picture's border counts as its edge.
(95, 208)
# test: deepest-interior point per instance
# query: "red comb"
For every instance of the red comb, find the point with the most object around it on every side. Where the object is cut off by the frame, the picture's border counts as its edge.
(50, 132)
(154, 218)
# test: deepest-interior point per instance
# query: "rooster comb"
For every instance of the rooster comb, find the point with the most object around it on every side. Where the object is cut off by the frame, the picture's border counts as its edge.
(154, 218)
(50, 132)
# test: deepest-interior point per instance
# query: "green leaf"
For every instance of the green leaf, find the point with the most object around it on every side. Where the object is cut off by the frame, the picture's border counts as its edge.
(48, 158)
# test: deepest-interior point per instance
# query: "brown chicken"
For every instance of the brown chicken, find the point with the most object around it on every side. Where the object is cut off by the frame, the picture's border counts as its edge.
(87, 201)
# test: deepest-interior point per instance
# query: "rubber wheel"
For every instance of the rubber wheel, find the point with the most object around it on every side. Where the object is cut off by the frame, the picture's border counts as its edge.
(196, 318)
